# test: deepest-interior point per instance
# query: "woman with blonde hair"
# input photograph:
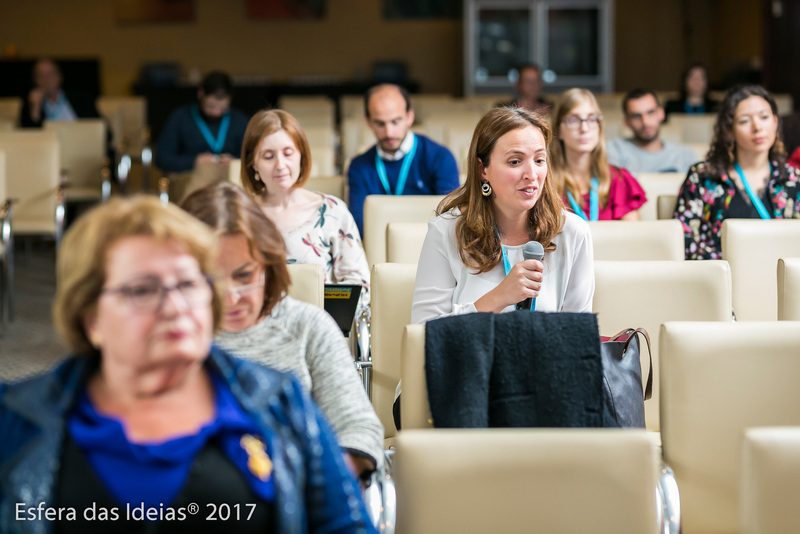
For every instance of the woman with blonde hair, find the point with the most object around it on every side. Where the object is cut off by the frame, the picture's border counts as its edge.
(590, 187)
(472, 258)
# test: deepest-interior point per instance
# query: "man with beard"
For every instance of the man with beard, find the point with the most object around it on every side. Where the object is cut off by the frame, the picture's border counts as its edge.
(646, 151)
(203, 135)
(401, 162)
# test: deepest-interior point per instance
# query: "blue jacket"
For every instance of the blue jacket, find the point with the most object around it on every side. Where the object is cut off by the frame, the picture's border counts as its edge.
(315, 492)
(432, 172)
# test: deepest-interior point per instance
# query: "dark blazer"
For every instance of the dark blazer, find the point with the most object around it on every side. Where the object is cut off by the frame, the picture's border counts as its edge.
(81, 103)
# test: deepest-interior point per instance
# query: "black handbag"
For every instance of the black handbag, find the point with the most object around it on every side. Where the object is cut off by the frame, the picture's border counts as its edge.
(622, 377)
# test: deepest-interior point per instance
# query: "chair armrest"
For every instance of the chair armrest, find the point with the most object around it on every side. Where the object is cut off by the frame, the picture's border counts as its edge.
(163, 190)
(669, 501)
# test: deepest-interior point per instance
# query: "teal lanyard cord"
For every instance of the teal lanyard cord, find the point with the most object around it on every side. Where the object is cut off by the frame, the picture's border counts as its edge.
(215, 144)
(594, 203)
(401, 179)
(506, 263)
(762, 211)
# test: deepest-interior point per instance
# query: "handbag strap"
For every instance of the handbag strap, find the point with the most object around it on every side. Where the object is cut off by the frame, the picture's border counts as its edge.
(633, 333)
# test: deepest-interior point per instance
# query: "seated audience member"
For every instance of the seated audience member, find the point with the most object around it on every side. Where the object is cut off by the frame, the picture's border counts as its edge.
(401, 162)
(472, 257)
(149, 418)
(794, 159)
(317, 228)
(262, 324)
(208, 132)
(48, 101)
(528, 89)
(646, 151)
(790, 132)
(591, 187)
(744, 177)
(694, 93)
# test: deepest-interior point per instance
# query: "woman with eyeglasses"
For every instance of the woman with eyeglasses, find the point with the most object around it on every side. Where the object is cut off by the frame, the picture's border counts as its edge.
(591, 188)
(151, 427)
(261, 323)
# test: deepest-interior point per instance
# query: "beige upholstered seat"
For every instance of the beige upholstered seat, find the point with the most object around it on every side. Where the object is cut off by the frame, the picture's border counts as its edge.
(789, 289)
(637, 240)
(665, 207)
(6, 250)
(10, 109)
(308, 283)
(404, 241)
(752, 247)
(234, 172)
(770, 480)
(415, 411)
(392, 289)
(323, 161)
(697, 128)
(655, 184)
(717, 380)
(32, 180)
(570, 481)
(127, 118)
(82, 145)
(380, 210)
(649, 293)
(329, 185)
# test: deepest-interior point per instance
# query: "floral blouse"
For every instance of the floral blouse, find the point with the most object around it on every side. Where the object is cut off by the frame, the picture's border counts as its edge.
(705, 200)
(330, 238)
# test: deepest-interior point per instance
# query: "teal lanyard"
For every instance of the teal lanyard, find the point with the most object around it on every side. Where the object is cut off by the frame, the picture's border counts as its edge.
(506, 263)
(401, 179)
(594, 203)
(762, 211)
(215, 144)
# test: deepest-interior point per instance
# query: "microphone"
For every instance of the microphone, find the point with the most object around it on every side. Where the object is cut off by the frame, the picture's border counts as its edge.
(533, 250)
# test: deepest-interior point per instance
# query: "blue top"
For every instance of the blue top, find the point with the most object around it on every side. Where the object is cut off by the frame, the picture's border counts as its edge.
(314, 490)
(433, 171)
(181, 140)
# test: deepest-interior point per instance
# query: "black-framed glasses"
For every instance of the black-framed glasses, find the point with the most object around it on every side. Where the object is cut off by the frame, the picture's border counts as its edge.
(147, 294)
(573, 122)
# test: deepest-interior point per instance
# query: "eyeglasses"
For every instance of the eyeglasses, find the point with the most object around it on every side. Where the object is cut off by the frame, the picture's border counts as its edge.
(245, 289)
(147, 294)
(573, 122)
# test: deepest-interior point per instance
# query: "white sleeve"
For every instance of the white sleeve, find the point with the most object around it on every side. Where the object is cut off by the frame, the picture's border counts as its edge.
(435, 283)
(580, 285)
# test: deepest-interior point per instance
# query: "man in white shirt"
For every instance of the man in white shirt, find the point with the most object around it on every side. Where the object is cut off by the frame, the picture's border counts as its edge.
(646, 151)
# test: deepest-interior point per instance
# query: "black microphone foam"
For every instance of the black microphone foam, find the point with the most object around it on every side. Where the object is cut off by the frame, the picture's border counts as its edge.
(533, 250)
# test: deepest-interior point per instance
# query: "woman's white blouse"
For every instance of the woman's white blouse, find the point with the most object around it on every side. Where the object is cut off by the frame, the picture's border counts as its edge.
(445, 286)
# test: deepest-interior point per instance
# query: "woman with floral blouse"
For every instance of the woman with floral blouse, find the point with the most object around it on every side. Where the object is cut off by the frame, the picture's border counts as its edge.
(745, 175)
(317, 228)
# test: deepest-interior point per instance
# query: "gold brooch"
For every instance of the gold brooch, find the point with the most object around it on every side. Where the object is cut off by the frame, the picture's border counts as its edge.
(257, 459)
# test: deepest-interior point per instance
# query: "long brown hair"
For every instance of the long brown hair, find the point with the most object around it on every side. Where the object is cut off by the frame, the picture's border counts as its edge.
(478, 243)
(570, 100)
(229, 211)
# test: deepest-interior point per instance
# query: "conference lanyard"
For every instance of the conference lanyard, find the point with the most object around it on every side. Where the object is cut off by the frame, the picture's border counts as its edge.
(215, 144)
(402, 177)
(688, 108)
(762, 211)
(506, 263)
(594, 203)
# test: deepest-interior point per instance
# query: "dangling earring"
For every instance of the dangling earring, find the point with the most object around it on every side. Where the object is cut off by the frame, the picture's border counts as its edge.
(486, 188)
(96, 339)
(257, 177)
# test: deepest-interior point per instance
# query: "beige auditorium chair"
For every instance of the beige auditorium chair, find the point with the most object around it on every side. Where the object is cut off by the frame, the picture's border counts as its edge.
(415, 411)
(10, 109)
(82, 145)
(645, 294)
(329, 185)
(770, 480)
(6, 250)
(655, 184)
(637, 240)
(784, 102)
(234, 172)
(307, 283)
(309, 110)
(404, 242)
(753, 247)
(323, 161)
(380, 210)
(665, 207)
(788, 289)
(392, 289)
(570, 481)
(33, 180)
(127, 118)
(697, 128)
(700, 150)
(718, 379)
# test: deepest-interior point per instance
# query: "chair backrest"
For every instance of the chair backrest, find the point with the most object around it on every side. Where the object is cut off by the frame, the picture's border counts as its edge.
(380, 210)
(700, 150)
(752, 247)
(637, 240)
(646, 294)
(415, 410)
(308, 283)
(665, 207)
(697, 128)
(788, 289)
(655, 184)
(521, 480)
(770, 478)
(404, 241)
(10, 108)
(784, 102)
(83, 151)
(330, 185)
(323, 160)
(392, 289)
(127, 117)
(717, 380)
(32, 177)
(234, 172)
(3, 195)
